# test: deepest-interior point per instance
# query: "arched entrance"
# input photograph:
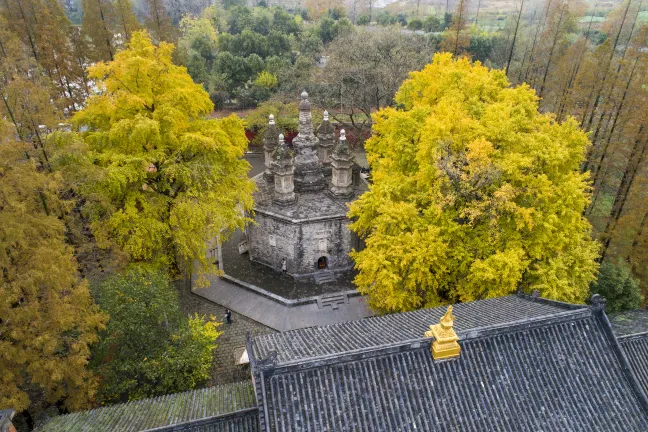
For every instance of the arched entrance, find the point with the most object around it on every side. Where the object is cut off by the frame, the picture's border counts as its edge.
(322, 263)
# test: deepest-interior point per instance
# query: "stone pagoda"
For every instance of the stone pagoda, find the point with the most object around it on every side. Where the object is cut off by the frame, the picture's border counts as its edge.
(302, 200)
(309, 176)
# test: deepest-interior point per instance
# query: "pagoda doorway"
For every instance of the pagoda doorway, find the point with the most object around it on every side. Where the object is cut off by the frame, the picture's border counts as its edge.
(322, 263)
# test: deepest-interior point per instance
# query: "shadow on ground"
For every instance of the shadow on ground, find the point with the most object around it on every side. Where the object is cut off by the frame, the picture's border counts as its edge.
(240, 267)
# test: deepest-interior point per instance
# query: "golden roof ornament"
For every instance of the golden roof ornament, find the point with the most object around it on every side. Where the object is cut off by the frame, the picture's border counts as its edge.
(445, 344)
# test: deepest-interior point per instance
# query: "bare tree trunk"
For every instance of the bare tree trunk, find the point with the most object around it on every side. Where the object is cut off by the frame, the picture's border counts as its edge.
(479, 2)
(608, 96)
(576, 69)
(551, 51)
(587, 124)
(535, 40)
(103, 23)
(616, 112)
(635, 241)
(28, 30)
(634, 161)
(517, 26)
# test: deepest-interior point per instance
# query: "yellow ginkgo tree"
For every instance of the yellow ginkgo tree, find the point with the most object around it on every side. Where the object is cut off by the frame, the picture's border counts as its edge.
(167, 178)
(475, 194)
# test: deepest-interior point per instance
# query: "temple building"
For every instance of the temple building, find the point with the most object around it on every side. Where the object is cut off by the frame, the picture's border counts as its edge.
(508, 364)
(302, 200)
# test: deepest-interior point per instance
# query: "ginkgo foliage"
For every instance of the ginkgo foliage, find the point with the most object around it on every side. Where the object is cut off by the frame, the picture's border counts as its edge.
(475, 194)
(168, 178)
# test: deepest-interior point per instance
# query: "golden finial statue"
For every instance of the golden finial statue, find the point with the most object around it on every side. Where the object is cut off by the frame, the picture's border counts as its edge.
(445, 344)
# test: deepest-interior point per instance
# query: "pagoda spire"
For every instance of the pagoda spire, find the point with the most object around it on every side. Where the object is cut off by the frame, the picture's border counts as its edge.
(308, 168)
(270, 139)
(282, 169)
(342, 165)
(326, 136)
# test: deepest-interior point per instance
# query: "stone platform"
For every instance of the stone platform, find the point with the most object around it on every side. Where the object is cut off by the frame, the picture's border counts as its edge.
(284, 316)
(278, 301)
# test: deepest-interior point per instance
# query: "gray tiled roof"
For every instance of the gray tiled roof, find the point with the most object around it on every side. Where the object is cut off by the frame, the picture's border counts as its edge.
(562, 373)
(369, 333)
(174, 409)
(246, 422)
(636, 350)
(629, 322)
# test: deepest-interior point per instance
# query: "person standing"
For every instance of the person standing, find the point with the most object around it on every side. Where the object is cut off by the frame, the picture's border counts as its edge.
(228, 316)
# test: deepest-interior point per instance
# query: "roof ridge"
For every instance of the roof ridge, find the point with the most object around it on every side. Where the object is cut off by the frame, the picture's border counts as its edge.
(623, 359)
(632, 336)
(535, 297)
(523, 296)
(203, 421)
(464, 335)
(162, 399)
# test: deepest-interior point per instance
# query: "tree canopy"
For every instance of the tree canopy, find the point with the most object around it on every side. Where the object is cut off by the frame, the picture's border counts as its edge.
(149, 347)
(475, 195)
(616, 284)
(47, 317)
(169, 178)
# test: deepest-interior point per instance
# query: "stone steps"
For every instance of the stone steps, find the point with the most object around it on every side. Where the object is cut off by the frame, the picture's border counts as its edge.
(324, 276)
(333, 300)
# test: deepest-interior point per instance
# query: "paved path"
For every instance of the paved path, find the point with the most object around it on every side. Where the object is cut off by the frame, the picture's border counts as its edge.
(276, 315)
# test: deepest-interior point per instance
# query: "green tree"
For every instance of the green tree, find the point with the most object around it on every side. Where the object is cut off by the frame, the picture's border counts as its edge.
(616, 284)
(48, 318)
(415, 24)
(233, 69)
(198, 44)
(363, 20)
(475, 194)
(284, 22)
(432, 24)
(170, 178)
(149, 347)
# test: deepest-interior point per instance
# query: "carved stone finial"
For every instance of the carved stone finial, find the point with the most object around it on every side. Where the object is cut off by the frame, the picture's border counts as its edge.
(445, 344)
(598, 302)
(269, 145)
(269, 363)
(535, 294)
(326, 115)
(304, 105)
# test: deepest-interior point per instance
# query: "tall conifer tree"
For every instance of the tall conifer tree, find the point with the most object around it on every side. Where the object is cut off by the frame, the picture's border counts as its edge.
(99, 22)
(48, 317)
